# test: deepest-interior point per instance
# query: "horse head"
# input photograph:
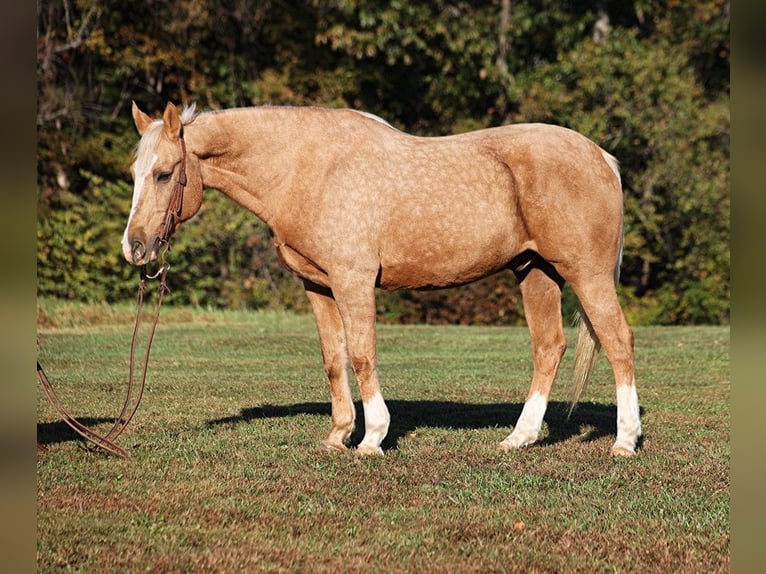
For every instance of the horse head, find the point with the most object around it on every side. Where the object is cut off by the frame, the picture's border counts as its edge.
(167, 185)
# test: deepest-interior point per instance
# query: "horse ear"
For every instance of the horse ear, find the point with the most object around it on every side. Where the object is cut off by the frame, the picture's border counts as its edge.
(172, 120)
(141, 120)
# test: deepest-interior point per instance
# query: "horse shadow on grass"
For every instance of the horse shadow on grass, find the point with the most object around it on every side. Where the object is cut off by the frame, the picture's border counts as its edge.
(59, 432)
(589, 421)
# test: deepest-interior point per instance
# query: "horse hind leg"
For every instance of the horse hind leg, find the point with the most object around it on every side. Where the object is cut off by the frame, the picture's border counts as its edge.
(541, 295)
(333, 343)
(599, 301)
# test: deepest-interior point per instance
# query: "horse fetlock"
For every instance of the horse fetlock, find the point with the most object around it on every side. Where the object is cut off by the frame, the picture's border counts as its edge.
(530, 422)
(628, 421)
(376, 419)
(339, 436)
(373, 437)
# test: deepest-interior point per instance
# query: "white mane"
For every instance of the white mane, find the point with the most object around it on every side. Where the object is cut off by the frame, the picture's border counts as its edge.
(374, 117)
(189, 113)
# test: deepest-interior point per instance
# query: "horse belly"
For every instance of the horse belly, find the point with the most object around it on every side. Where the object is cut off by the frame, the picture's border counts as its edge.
(458, 232)
(436, 260)
(413, 276)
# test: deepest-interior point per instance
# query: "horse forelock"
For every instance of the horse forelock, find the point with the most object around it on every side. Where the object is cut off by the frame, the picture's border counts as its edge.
(147, 145)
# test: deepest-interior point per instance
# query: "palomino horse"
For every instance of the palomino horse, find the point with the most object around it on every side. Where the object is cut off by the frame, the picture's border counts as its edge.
(355, 204)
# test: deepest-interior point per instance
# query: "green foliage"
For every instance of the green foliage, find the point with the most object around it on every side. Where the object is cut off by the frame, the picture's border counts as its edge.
(652, 87)
(79, 254)
(425, 66)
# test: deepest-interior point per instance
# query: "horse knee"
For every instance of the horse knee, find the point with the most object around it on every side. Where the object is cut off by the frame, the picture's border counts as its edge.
(335, 366)
(363, 367)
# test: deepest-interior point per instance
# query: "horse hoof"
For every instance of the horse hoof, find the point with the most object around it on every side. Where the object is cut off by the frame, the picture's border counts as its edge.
(622, 451)
(507, 446)
(333, 447)
(515, 441)
(366, 450)
(513, 445)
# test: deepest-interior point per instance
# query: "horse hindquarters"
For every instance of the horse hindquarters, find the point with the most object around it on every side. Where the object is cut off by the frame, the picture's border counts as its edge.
(572, 207)
(605, 324)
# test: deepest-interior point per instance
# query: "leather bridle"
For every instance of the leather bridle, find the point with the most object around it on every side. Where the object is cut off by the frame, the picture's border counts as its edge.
(130, 404)
(173, 214)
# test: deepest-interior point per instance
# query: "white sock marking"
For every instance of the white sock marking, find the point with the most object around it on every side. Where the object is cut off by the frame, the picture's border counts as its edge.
(530, 422)
(628, 417)
(376, 421)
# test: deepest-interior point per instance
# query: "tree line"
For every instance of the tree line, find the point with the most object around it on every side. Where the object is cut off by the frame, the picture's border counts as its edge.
(647, 80)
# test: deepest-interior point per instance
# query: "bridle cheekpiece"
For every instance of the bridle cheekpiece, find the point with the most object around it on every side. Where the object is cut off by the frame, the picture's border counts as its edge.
(173, 214)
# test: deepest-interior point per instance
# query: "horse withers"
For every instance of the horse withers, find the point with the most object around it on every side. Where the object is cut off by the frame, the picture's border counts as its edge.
(354, 204)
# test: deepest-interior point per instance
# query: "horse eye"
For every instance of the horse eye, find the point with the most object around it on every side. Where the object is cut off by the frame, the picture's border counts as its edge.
(164, 177)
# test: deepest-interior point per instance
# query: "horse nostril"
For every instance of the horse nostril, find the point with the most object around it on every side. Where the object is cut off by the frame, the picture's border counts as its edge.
(138, 250)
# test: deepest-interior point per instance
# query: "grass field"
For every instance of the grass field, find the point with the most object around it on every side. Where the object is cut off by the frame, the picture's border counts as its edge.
(225, 474)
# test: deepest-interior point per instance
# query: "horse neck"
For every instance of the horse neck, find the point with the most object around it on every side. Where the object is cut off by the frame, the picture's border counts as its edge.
(246, 154)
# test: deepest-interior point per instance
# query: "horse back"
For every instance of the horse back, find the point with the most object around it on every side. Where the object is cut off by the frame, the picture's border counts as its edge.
(437, 212)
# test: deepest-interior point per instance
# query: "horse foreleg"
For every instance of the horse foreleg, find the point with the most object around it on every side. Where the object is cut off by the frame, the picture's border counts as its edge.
(356, 303)
(333, 343)
(542, 307)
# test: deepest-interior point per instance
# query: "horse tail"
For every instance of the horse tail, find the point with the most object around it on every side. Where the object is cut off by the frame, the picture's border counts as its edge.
(588, 345)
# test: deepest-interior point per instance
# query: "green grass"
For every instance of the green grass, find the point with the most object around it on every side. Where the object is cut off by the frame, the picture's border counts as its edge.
(225, 474)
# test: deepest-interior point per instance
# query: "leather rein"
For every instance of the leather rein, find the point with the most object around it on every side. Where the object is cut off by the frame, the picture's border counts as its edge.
(134, 393)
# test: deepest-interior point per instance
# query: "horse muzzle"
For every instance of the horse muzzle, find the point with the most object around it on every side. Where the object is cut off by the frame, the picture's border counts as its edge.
(143, 251)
